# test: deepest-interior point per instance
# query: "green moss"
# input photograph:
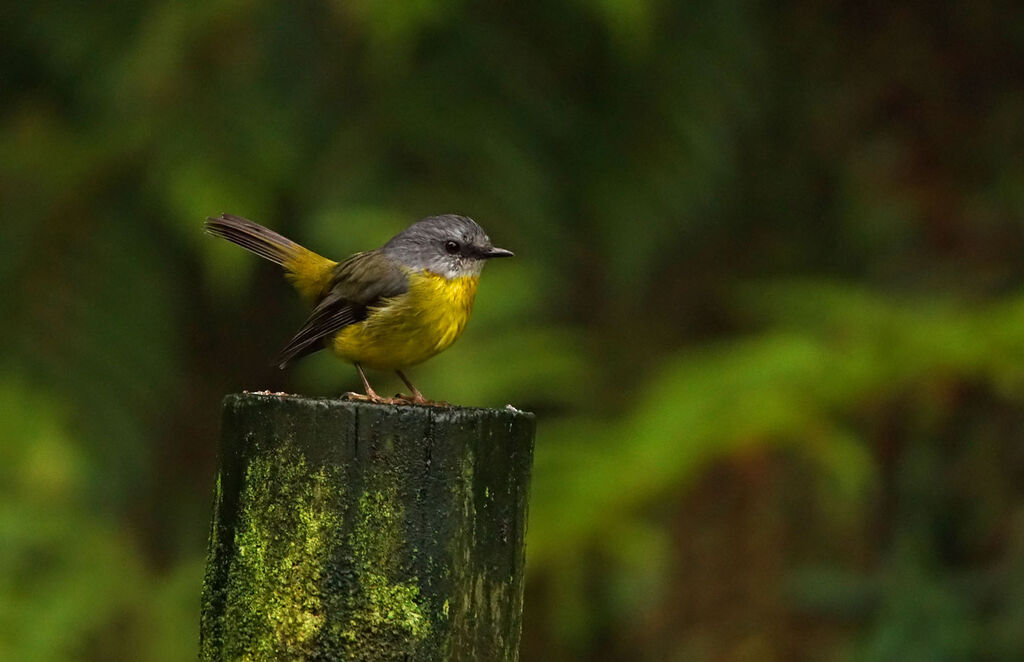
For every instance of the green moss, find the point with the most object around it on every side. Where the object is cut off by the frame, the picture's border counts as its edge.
(384, 619)
(284, 541)
(298, 587)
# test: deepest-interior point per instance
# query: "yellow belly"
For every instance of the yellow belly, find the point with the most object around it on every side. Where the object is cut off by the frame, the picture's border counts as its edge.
(412, 327)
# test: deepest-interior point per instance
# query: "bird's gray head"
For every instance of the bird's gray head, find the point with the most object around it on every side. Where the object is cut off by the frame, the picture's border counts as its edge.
(449, 245)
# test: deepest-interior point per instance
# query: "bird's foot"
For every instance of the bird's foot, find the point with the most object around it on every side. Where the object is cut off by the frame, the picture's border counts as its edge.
(399, 399)
(366, 397)
(418, 399)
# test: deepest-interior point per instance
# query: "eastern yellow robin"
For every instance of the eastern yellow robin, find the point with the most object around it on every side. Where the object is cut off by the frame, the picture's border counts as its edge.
(386, 309)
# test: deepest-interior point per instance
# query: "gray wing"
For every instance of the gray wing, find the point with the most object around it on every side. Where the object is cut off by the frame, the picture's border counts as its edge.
(359, 283)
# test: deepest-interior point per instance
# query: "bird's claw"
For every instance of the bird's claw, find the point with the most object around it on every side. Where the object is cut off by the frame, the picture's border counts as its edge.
(418, 399)
(365, 397)
(399, 399)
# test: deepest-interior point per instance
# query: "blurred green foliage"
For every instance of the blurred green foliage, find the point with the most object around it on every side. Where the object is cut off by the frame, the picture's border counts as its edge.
(766, 303)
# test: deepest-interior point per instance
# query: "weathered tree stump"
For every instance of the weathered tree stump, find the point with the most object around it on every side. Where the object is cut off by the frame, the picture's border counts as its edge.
(351, 531)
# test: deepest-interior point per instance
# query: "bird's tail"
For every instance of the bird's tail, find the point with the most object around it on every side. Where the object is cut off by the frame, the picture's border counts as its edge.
(309, 272)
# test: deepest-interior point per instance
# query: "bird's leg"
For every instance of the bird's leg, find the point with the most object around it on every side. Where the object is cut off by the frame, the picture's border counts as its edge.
(417, 397)
(366, 384)
(371, 395)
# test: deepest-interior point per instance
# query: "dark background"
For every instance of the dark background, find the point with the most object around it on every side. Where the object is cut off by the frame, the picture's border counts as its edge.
(768, 302)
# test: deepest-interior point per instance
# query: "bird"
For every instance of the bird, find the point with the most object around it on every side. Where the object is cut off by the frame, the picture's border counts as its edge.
(385, 309)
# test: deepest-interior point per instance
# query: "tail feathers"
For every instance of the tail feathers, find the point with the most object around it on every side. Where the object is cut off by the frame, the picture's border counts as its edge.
(309, 272)
(253, 237)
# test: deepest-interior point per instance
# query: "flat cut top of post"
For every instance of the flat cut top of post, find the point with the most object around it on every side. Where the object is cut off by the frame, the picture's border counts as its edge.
(457, 411)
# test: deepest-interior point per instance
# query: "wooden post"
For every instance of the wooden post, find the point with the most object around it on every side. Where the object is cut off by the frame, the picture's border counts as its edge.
(351, 531)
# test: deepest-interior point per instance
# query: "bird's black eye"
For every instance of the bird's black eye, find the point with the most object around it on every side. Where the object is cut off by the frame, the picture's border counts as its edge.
(451, 247)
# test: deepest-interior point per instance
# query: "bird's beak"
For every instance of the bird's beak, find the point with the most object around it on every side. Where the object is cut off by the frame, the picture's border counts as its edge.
(497, 252)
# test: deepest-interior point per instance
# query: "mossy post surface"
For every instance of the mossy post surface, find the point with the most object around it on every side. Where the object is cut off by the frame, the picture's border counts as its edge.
(352, 531)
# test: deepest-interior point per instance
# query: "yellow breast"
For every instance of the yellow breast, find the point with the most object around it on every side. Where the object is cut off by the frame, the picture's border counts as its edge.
(412, 327)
